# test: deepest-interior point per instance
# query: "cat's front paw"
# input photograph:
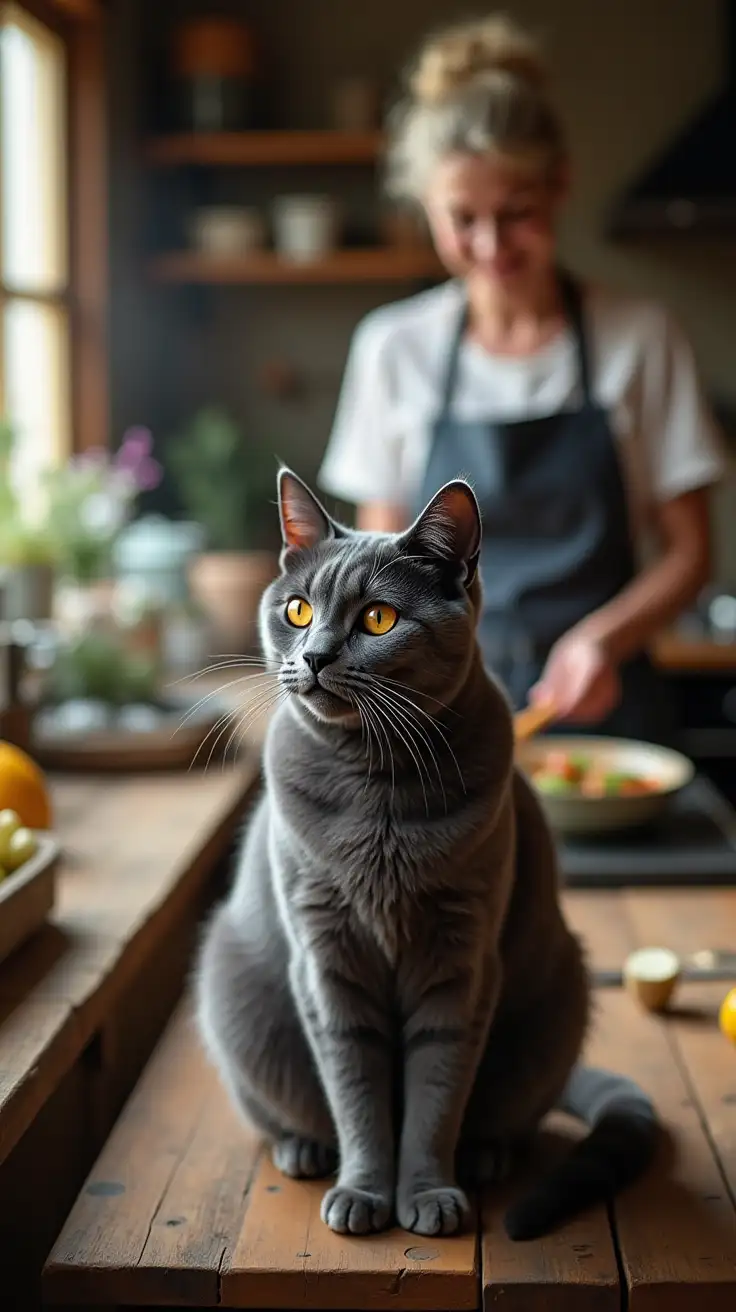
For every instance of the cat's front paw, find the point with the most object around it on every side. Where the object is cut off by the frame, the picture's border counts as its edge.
(303, 1159)
(441, 1211)
(355, 1211)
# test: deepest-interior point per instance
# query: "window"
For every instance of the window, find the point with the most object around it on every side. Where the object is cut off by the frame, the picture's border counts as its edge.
(35, 389)
(53, 229)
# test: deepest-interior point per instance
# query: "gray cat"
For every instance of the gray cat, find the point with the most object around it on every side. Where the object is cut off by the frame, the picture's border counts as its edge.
(390, 989)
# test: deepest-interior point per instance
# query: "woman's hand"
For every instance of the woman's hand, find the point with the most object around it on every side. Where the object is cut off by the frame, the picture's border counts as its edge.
(579, 680)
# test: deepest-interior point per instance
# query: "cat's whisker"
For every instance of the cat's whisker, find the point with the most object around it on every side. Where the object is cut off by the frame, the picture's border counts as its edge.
(235, 713)
(223, 719)
(244, 728)
(235, 656)
(413, 726)
(366, 718)
(373, 713)
(386, 728)
(431, 721)
(215, 692)
(397, 683)
(396, 561)
(380, 743)
(262, 697)
(377, 557)
(419, 710)
(409, 741)
(365, 736)
(390, 751)
(213, 748)
(224, 664)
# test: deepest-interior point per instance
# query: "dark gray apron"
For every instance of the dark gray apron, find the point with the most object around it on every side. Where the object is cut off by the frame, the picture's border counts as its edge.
(557, 540)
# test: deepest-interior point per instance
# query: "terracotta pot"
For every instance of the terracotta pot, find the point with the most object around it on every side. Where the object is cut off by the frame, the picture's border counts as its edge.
(228, 586)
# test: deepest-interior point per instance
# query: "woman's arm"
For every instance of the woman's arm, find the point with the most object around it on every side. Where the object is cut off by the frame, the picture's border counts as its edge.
(580, 677)
(663, 590)
(382, 517)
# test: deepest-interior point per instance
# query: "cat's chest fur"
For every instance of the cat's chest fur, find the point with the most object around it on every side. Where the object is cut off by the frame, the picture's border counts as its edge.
(370, 848)
(356, 853)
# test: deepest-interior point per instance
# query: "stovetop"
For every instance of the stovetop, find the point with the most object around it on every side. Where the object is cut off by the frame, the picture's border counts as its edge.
(693, 842)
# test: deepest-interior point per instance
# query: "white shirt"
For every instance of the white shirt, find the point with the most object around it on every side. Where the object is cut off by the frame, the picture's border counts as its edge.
(643, 374)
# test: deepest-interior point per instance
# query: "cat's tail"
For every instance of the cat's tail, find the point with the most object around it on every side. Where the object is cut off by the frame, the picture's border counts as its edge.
(623, 1136)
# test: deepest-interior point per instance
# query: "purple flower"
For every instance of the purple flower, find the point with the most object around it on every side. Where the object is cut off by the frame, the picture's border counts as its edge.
(148, 474)
(136, 447)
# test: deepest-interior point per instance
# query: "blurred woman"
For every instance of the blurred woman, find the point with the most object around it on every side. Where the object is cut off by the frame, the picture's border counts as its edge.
(575, 411)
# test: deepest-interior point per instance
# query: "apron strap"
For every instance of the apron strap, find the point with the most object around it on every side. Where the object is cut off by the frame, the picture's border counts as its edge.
(573, 302)
(453, 361)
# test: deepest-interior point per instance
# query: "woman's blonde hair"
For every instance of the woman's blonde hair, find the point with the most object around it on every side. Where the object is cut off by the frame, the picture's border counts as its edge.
(477, 87)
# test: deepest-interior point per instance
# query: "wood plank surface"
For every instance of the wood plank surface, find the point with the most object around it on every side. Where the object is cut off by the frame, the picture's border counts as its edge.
(687, 921)
(198, 1218)
(286, 1257)
(112, 1248)
(676, 1228)
(575, 1268)
(201, 1220)
(38, 1044)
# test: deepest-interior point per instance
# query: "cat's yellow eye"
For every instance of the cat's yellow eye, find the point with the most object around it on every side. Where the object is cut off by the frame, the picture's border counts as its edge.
(299, 613)
(379, 619)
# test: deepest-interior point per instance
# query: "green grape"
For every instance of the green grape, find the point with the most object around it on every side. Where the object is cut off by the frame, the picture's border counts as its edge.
(21, 848)
(9, 823)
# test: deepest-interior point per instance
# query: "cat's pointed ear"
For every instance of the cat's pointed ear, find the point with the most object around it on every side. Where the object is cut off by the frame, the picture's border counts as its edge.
(449, 529)
(304, 522)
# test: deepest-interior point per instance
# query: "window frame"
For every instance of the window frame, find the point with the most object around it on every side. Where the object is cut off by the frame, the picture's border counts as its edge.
(80, 25)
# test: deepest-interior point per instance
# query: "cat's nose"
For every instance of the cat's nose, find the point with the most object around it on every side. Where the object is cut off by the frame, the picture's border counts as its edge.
(317, 660)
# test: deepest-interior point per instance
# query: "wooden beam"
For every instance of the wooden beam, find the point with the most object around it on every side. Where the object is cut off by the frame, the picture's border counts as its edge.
(79, 10)
(89, 235)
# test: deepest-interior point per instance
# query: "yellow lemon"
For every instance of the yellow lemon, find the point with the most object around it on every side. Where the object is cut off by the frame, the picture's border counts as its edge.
(23, 788)
(727, 1016)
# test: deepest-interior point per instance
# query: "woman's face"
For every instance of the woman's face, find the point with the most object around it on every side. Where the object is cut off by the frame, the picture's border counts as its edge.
(491, 221)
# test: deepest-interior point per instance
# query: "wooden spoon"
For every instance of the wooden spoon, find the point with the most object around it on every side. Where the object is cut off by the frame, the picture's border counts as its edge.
(531, 720)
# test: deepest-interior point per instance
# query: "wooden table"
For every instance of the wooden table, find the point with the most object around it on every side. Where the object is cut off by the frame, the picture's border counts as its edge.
(83, 1003)
(182, 1208)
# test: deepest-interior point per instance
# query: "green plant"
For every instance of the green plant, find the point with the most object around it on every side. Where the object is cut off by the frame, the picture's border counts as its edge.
(22, 542)
(97, 665)
(92, 496)
(224, 481)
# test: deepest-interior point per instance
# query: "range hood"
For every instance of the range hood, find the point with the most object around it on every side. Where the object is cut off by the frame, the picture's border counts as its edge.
(691, 186)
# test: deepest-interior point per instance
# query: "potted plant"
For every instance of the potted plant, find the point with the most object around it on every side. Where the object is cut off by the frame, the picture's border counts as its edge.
(226, 483)
(89, 499)
(26, 552)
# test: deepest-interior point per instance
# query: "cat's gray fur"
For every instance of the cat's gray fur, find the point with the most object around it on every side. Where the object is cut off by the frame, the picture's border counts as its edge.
(390, 985)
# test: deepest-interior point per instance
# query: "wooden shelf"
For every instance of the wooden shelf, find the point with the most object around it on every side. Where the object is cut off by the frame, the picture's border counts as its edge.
(677, 651)
(265, 148)
(344, 266)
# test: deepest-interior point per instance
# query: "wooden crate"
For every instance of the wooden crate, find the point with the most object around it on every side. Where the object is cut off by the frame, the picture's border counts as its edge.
(27, 896)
